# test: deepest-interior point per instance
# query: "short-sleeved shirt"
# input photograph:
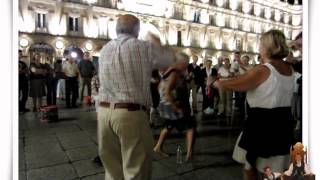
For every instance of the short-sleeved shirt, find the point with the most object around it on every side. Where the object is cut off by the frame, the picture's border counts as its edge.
(125, 67)
(70, 69)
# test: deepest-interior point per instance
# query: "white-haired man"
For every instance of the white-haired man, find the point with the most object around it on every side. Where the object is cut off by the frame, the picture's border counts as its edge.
(125, 66)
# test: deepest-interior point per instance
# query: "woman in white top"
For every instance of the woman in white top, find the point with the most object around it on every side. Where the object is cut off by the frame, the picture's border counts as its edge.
(268, 131)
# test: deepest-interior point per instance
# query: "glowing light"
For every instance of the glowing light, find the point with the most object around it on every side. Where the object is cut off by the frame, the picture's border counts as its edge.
(220, 2)
(214, 60)
(277, 15)
(246, 6)
(296, 20)
(173, 39)
(88, 46)
(91, 1)
(205, 1)
(220, 19)
(112, 33)
(26, 24)
(23, 42)
(103, 26)
(257, 9)
(257, 27)
(169, 11)
(231, 44)
(204, 42)
(218, 43)
(74, 54)
(90, 28)
(186, 40)
(59, 44)
(233, 22)
(233, 4)
(57, 27)
(267, 13)
(204, 17)
(296, 53)
(246, 26)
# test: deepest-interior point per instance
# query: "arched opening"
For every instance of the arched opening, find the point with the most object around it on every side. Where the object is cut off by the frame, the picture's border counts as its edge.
(73, 51)
(46, 52)
(148, 27)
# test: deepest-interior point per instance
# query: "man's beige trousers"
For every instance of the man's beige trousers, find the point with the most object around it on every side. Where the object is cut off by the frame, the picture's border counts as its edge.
(125, 144)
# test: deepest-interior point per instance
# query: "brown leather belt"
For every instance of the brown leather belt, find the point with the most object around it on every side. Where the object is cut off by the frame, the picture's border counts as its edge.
(129, 106)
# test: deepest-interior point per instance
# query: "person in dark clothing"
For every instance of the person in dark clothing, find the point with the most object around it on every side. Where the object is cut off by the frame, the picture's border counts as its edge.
(37, 75)
(205, 74)
(196, 81)
(154, 84)
(51, 85)
(86, 70)
(297, 100)
(23, 84)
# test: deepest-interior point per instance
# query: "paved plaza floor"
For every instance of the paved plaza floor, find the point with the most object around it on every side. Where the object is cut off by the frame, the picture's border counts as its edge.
(64, 149)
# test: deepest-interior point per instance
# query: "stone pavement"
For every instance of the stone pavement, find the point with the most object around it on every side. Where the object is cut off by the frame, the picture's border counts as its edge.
(64, 150)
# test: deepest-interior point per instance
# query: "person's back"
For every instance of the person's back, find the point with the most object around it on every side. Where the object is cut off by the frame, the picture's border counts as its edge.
(125, 67)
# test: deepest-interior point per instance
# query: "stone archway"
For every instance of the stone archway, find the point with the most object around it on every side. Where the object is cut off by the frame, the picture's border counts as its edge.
(46, 51)
(73, 50)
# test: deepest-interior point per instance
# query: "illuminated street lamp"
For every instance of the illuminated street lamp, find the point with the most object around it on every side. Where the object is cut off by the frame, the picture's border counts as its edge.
(23, 42)
(74, 55)
(59, 44)
(88, 46)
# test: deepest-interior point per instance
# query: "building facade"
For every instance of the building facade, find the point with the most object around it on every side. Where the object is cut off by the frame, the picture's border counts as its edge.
(208, 28)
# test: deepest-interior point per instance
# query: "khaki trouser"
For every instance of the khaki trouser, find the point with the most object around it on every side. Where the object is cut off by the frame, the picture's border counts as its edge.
(85, 82)
(125, 144)
(225, 102)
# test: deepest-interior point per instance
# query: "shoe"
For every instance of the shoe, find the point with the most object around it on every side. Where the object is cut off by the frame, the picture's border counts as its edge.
(208, 111)
(97, 161)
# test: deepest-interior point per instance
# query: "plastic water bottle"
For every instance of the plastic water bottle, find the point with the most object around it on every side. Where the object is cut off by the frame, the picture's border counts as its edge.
(179, 155)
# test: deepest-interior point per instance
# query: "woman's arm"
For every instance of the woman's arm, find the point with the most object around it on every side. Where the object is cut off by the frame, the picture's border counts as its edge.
(252, 79)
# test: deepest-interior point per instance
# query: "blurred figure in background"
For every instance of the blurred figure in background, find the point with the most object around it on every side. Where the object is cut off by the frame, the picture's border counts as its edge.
(225, 102)
(37, 75)
(86, 70)
(23, 84)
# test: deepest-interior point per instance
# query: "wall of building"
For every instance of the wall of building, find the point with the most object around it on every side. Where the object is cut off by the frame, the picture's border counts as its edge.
(214, 26)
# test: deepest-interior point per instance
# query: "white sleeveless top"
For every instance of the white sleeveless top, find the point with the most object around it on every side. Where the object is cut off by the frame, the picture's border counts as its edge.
(276, 91)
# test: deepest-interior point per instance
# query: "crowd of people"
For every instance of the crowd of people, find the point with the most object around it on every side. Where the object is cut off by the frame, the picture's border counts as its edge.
(135, 76)
(60, 79)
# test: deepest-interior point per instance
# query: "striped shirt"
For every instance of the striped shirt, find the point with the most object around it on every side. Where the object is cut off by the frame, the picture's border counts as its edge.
(125, 67)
